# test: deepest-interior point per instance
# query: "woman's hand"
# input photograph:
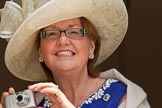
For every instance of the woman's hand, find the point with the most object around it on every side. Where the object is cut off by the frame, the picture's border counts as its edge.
(52, 91)
(4, 94)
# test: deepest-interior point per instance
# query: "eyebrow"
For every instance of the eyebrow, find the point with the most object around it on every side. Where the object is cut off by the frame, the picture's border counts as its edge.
(75, 25)
(69, 26)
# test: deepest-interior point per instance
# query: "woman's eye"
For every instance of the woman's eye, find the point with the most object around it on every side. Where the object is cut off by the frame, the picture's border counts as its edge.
(74, 32)
(50, 33)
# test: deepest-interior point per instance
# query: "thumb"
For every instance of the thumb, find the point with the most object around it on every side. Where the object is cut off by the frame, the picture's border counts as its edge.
(11, 90)
(1, 105)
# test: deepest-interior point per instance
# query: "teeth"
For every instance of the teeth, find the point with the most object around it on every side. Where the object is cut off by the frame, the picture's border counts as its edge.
(65, 53)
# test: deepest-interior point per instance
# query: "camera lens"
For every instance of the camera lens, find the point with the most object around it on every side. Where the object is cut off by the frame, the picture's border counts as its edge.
(22, 99)
(19, 98)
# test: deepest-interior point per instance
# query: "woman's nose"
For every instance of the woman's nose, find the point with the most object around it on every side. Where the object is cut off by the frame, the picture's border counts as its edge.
(63, 39)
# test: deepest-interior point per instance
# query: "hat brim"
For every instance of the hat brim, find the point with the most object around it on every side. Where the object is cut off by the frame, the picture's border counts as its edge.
(108, 16)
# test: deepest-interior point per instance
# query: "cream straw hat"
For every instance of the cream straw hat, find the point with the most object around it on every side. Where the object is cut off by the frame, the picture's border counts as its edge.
(22, 24)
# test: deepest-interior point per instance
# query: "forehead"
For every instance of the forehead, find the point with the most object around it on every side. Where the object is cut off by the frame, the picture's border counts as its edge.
(66, 23)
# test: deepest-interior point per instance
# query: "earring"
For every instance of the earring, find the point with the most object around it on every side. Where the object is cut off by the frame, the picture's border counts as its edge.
(41, 59)
(91, 56)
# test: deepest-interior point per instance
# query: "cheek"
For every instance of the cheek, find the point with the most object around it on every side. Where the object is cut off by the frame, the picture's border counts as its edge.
(46, 48)
(83, 49)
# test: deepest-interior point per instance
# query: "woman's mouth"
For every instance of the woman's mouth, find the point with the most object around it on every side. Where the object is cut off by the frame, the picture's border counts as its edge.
(65, 53)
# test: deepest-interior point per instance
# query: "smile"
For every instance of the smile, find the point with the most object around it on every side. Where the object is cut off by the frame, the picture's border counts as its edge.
(65, 53)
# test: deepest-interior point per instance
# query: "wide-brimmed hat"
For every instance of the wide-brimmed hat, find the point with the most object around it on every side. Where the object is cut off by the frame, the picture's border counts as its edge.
(21, 57)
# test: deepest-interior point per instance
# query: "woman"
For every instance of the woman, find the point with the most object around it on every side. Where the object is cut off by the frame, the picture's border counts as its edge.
(66, 38)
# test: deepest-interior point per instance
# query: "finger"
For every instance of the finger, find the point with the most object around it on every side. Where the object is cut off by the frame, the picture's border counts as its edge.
(4, 94)
(49, 91)
(54, 94)
(48, 84)
(38, 86)
(1, 105)
(11, 90)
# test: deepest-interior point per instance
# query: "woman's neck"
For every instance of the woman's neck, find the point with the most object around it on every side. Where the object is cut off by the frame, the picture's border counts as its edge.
(71, 80)
(77, 86)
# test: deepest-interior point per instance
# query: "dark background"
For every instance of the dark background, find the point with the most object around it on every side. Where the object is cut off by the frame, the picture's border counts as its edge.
(138, 57)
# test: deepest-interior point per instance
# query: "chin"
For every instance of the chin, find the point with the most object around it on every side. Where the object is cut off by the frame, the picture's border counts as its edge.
(66, 66)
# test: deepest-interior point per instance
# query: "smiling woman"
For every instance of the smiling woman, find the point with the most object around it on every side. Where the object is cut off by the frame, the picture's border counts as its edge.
(69, 41)
(88, 32)
(66, 52)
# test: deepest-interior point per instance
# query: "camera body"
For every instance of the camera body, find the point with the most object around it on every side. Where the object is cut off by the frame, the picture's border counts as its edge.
(22, 99)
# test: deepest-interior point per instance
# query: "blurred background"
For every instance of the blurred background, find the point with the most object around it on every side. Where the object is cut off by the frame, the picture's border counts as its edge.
(138, 58)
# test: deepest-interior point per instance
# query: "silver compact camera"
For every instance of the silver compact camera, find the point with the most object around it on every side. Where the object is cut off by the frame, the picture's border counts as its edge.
(22, 99)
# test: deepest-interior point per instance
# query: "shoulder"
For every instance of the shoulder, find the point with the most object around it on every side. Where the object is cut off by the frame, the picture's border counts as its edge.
(108, 95)
(115, 88)
(135, 94)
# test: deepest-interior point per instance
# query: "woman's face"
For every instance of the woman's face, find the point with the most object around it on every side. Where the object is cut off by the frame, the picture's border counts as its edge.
(63, 53)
